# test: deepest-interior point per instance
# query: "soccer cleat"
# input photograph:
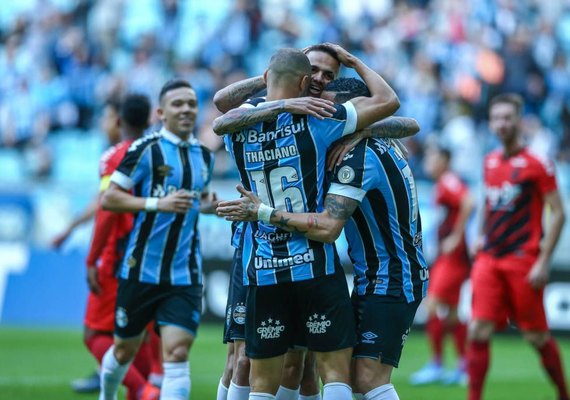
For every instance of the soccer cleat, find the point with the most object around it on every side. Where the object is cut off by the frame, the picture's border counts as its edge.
(455, 377)
(90, 384)
(430, 373)
(149, 392)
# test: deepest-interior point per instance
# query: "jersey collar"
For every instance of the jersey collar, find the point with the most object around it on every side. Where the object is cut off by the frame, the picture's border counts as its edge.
(171, 137)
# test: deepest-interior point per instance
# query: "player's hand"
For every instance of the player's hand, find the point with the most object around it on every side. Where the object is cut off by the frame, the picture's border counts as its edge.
(346, 58)
(93, 280)
(450, 243)
(538, 275)
(341, 148)
(177, 202)
(60, 239)
(316, 107)
(243, 209)
(209, 203)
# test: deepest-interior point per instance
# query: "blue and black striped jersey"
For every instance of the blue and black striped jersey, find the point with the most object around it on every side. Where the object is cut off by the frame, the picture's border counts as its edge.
(283, 163)
(165, 247)
(384, 233)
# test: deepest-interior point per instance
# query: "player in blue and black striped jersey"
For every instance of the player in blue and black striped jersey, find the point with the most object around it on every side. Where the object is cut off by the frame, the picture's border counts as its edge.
(164, 180)
(294, 282)
(373, 196)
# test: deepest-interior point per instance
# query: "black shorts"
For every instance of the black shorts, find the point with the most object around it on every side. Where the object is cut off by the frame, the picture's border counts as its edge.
(318, 307)
(382, 326)
(234, 326)
(139, 303)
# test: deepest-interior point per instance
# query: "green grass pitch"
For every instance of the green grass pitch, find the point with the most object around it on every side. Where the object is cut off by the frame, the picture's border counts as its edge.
(38, 364)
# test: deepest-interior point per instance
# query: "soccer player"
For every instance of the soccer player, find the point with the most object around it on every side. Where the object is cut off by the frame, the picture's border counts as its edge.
(161, 273)
(512, 266)
(448, 272)
(106, 251)
(373, 197)
(282, 266)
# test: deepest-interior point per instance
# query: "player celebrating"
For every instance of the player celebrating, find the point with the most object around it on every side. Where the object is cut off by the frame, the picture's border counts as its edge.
(512, 266)
(449, 271)
(161, 274)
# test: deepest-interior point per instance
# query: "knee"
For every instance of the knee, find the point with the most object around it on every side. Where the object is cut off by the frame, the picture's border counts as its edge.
(124, 352)
(370, 374)
(480, 331)
(536, 339)
(241, 370)
(177, 353)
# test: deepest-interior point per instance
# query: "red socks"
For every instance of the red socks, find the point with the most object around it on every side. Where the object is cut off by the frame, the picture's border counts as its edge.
(436, 331)
(477, 366)
(98, 344)
(459, 331)
(550, 357)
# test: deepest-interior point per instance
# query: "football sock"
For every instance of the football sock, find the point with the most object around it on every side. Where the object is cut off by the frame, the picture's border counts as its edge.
(112, 374)
(435, 328)
(176, 383)
(550, 357)
(222, 393)
(287, 394)
(459, 338)
(261, 396)
(236, 392)
(384, 392)
(311, 397)
(477, 366)
(337, 391)
(98, 345)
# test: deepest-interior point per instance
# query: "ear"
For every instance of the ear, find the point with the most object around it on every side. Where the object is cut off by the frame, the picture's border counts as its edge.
(305, 82)
(160, 114)
(265, 76)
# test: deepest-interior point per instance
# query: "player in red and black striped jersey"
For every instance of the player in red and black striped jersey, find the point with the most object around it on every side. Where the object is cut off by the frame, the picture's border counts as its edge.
(512, 266)
(449, 270)
(106, 251)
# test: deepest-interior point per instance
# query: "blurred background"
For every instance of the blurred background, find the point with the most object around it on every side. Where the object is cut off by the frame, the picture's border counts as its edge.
(61, 61)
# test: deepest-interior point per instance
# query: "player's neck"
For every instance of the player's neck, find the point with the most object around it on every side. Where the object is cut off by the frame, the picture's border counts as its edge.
(280, 93)
(512, 148)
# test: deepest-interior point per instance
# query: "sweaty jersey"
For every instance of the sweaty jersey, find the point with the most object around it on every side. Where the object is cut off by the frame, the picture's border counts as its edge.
(283, 163)
(450, 191)
(164, 248)
(515, 187)
(111, 230)
(384, 233)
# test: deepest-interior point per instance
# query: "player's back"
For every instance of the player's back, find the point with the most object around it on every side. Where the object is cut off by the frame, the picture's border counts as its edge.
(384, 232)
(283, 163)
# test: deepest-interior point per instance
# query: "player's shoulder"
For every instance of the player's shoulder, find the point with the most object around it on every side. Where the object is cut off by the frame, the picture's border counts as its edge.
(493, 159)
(538, 161)
(254, 102)
(451, 181)
(143, 142)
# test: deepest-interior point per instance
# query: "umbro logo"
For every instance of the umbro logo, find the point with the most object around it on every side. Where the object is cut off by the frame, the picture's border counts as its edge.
(369, 337)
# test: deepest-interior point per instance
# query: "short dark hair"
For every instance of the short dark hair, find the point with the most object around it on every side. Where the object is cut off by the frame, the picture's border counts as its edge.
(347, 88)
(510, 98)
(323, 48)
(286, 63)
(135, 110)
(172, 84)
(443, 151)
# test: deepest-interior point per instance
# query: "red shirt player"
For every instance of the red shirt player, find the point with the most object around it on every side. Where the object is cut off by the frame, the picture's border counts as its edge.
(107, 246)
(448, 272)
(512, 266)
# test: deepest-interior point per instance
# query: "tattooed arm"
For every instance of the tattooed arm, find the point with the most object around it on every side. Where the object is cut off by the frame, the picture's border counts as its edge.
(323, 227)
(234, 95)
(392, 127)
(242, 117)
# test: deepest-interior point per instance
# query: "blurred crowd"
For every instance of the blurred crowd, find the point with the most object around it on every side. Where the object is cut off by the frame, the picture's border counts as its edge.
(62, 60)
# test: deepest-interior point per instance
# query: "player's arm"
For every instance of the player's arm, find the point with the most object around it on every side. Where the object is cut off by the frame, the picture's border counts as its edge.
(383, 101)
(325, 226)
(242, 117)
(232, 96)
(539, 273)
(118, 199)
(85, 216)
(451, 242)
(208, 203)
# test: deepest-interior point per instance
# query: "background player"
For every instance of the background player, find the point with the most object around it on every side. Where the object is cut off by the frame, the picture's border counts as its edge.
(449, 270)
(161, 274)
(106, 252)
(512, 266)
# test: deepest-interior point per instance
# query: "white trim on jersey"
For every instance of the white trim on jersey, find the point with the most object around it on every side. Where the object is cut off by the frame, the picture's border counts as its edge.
(122, 180)
(347, 191)
(351, 118)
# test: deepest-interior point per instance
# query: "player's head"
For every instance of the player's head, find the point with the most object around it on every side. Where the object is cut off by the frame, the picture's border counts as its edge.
(290, 71)
(110, 120)
(178, 107)
(325, 66)
(436, 160)
(505, 116)
(135, 113)
(343, 89)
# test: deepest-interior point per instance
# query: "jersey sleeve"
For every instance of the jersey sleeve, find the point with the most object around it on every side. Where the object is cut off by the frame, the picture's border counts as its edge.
(104, 222)
(353, 176)
(451, 191)
(341, 123)
(546, 177)
(209, 163)
(134, 166)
